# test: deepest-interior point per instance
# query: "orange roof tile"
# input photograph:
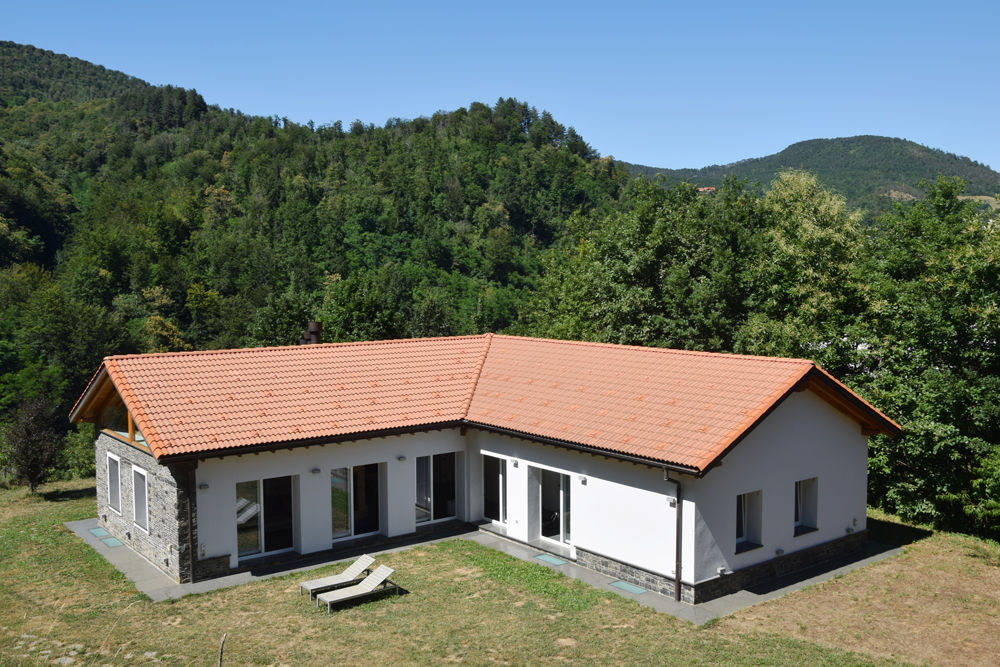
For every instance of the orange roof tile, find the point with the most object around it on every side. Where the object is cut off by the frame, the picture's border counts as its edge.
(202, 401)
(676, 407)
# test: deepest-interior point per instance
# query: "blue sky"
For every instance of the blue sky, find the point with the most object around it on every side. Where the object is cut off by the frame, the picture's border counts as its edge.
(666, 84)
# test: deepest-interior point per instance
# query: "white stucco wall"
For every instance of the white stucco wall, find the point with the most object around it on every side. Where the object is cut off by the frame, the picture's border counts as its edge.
(311, 492)
(619, 510)
(622, 510)
(804, 437)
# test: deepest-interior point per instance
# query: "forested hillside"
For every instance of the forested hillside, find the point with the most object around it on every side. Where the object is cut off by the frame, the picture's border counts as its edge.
(869, 171)
(30, 73)
(136, 218)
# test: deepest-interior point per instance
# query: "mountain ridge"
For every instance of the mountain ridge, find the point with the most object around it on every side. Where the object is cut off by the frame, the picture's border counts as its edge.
(868, 170)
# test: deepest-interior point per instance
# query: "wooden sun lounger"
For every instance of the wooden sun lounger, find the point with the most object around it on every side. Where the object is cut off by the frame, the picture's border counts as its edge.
(376, 582)
(352, 572)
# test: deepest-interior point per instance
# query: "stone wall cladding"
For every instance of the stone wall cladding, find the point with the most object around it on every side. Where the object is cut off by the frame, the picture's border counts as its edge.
(848, 547)
(651, 581)
(162, 544)
(209, 568)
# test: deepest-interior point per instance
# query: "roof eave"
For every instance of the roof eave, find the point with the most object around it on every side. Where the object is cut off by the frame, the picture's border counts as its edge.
(304, 442)
(95, 382)
(589, 449)
(841, 396)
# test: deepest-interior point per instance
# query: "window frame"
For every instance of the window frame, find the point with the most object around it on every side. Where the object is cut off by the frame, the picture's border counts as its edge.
(118, 481)
(435, 513)
(564, 518)
(499, 484)
(144, 527)
(132, 433)
(749, 518)
(806, 500)
(352, 528)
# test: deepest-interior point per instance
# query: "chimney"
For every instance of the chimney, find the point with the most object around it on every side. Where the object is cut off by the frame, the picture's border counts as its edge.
(314, 331)
(313, 334)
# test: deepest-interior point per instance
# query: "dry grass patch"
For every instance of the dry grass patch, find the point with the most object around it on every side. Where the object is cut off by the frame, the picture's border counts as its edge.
(938, 602)
(465, 603)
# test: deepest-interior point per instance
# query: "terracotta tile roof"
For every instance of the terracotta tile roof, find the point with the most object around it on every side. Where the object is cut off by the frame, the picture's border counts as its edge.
(677, 407)
(201, 401)
(667, 405)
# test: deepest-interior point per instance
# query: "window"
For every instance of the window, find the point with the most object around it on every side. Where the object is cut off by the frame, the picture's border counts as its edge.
(114, 484)
(140, 508)
(495, 488)
(354, 501)
(748, 513)
(118, 420)
(435, 487)
(248, 518)
(554, 503)
(805, 506)
(114, 417)
(264, 522)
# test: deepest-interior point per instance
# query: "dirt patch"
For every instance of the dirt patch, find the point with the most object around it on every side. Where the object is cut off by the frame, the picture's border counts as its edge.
(939, 602)
(899, 195)
(993, 202)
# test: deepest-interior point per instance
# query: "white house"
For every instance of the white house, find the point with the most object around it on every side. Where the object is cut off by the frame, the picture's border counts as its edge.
(649, 464)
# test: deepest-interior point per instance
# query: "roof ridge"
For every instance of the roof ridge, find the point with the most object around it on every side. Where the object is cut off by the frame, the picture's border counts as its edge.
(312, 346)
(662, 350)
(479, 372)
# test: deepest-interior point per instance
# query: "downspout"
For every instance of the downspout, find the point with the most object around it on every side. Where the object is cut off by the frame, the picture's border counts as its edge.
(192, 554)
(677, 541)
(677, 536)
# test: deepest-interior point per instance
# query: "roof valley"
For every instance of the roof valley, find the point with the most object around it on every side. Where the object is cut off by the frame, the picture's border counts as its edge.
(477, 375)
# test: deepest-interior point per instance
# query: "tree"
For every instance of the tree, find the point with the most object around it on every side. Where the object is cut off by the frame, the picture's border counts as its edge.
(932, 360)
(32, 442)
(803, 289)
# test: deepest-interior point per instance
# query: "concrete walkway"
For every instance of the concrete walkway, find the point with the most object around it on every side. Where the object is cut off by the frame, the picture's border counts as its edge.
(158, 586)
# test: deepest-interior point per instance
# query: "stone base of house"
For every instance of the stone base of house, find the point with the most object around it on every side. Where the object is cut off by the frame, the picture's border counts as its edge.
(651, 581)
(845, 548)
(210, 568)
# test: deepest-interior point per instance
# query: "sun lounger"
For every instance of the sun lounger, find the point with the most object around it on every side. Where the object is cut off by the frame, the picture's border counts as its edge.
(353, 571)
(374, 583)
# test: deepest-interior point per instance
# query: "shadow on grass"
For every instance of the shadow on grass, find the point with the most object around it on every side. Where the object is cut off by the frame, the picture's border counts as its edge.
(892, 535)
(378, 594)
(883, 536)
(988, 552)
(351, 549)
(69, 494)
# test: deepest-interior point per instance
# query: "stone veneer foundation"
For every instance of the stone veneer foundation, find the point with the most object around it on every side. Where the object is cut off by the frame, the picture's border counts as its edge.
(847, 547)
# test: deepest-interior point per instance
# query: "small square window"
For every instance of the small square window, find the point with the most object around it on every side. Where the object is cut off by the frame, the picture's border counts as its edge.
(748, 521)
(805, 505)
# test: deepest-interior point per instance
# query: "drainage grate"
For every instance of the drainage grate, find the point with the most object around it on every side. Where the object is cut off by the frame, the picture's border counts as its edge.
(551, 560)
(111, 541)
(630, 588)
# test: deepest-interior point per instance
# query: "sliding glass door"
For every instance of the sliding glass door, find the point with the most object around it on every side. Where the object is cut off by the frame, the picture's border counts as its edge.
(435, 498)
(555, 506)
(264, 521)
(354, 501)
(495, 488)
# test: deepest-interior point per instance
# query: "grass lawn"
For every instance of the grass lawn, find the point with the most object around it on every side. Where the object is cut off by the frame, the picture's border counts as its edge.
(467, 603)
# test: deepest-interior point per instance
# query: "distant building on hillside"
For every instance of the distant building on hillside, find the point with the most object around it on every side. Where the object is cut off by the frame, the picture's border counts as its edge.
(707, 190)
